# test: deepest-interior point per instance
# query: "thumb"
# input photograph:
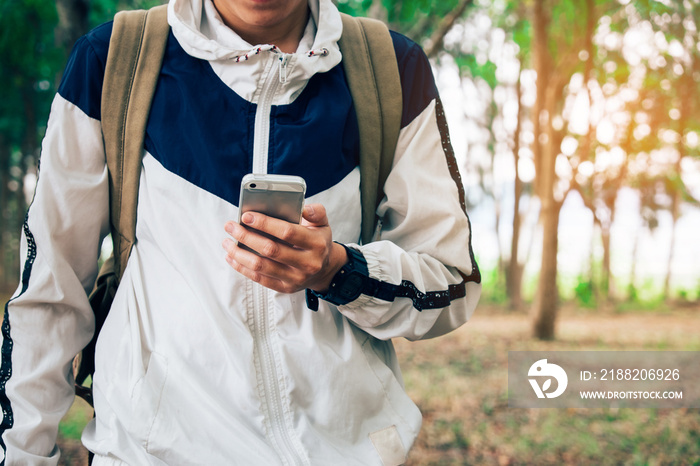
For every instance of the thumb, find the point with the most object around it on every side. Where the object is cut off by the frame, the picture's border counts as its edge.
(315, 214)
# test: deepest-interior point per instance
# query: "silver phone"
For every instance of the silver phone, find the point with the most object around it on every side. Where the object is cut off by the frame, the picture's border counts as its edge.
(278, 196)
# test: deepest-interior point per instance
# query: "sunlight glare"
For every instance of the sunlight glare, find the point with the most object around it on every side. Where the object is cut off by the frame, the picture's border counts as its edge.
(613, 41)
(665, 156)
(562, 167)
(692, 139)
(578, 121)
(641, 131)
(526, 167)
(669, 136)
(569, 146)
(617, 156)
(675, 49)
(586, 168)
(605, 132)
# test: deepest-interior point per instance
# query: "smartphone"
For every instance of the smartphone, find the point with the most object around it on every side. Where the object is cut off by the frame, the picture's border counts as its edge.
(278, 196)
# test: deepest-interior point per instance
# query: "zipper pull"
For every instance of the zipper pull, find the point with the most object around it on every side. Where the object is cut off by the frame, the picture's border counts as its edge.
(284, 60)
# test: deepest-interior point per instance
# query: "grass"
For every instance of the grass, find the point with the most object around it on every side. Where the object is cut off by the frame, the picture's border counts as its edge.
(459, 381)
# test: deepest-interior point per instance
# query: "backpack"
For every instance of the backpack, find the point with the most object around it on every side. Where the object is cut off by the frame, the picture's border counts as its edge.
(136, 51)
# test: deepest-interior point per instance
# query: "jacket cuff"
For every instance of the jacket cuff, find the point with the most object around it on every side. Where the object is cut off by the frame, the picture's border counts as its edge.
(350, 282)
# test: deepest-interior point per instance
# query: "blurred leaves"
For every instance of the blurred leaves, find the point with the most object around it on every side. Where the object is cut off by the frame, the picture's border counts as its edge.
(469, 66)
(34, 44)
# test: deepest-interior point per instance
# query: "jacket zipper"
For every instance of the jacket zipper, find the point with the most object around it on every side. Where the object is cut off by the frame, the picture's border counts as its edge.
(261, 140)
(280, 425)
(289, 451)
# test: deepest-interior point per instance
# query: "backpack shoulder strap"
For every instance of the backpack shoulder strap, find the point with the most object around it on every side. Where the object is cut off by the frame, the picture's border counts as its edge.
(134, 60)
(373, 77)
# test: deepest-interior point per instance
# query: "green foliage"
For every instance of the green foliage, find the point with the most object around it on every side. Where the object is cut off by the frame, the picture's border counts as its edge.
(584, 292)
(469, 66)
(29, 60)
(652, 8)
(493, 287)
(73, 423)
(568, 20)
(104, 10)
(354, 7)
(647, 297)
(522, 35)
(32, 63)
(415, 18)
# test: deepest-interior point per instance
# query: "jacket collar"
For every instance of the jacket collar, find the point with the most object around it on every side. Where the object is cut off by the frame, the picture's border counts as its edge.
(199, 29)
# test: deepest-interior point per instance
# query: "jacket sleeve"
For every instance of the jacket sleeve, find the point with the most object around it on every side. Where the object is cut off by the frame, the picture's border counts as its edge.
(424, 280)
(49, 319)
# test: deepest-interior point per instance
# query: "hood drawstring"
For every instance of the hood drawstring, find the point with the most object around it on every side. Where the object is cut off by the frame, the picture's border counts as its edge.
(256, 51)
(318, 53)
(273, 48)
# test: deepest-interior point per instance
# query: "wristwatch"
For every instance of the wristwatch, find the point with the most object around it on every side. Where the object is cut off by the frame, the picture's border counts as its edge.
(347, 284)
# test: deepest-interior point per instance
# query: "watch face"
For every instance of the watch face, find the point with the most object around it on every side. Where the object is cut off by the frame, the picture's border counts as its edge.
(351, 287)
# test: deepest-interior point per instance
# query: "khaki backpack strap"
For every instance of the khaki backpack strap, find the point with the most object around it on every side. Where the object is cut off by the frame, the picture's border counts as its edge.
(373, 77)
(134, 59)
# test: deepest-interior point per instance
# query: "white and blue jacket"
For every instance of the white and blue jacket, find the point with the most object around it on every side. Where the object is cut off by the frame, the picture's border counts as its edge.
(196, 364)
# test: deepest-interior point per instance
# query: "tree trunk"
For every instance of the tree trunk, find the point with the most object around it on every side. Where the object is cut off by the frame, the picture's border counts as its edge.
(435, 43)
(4, 212)
(686, 84)
(514, 274)
(494, 111)
(547, 297)
(592, 279)
(542, 64)
(378, 11)
(72, 22)
(30, 148)
(632, 287)
(605, 279)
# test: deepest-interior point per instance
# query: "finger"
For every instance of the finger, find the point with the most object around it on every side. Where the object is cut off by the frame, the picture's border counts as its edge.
(258, 266)
(315, 215)
(263, 245)
(306, 255)
(266, 281)
(295, 235)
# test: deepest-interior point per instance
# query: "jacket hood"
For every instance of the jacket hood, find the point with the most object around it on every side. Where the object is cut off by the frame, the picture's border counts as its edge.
(202, 33)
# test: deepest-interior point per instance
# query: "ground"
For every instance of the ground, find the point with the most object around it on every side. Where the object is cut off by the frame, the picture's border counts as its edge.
(459, 381)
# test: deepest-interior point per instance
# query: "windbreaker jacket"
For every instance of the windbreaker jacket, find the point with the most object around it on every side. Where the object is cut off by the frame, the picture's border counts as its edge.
(196, 364)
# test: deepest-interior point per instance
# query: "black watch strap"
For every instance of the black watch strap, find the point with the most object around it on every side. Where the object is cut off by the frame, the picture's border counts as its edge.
(347, 284)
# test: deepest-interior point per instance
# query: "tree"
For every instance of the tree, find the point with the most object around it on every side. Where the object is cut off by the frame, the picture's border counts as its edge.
(29, 59)
(555, 58)
(35, 39)
(678, 22)
(425, 21)
(519, 30)
(662, 132)
(560, 50)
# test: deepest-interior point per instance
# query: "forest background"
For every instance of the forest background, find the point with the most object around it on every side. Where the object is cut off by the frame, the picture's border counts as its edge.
(576, 125)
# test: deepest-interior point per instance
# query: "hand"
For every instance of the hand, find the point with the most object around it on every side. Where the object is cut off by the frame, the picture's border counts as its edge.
(297, 257)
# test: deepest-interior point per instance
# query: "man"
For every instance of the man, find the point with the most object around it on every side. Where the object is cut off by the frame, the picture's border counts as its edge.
(199, 363)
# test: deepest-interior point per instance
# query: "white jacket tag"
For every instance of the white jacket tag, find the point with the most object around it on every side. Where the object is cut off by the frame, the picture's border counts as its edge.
(389, 446)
